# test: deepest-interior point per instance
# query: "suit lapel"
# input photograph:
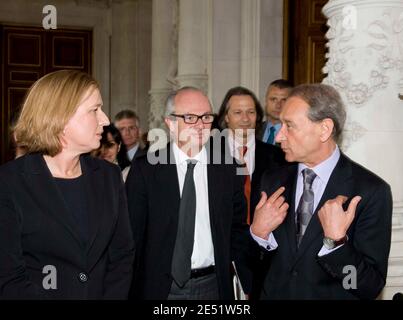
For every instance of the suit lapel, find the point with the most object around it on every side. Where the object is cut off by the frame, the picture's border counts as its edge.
(171, 193)
(258, 165)
(338, 184)
(289, 194)
(213, 183)
(47, 195)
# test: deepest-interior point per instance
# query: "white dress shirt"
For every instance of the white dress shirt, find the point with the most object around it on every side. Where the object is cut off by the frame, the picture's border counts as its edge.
(203, 250)
(235, 149)
(323, 171)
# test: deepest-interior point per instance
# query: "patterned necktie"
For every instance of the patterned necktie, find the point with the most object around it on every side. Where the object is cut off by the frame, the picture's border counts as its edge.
(181, 260)
(270, 139)
(305, 206)
(247, 184)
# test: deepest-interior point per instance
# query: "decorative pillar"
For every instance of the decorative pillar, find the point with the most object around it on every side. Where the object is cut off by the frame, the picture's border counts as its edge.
(164, 57)
(193, 44)
(365, 63)
(250, 44)
(123, 56)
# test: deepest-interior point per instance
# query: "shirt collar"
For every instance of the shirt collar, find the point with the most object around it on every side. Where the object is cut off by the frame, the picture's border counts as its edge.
(276, 126)
(181, 157)
(324, 169)
(133, 150)
(235, 145)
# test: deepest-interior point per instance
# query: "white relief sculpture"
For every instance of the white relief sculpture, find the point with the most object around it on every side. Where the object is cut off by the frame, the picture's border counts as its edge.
(353, 131)
(385, 49)
(157, 109)
(173, 65)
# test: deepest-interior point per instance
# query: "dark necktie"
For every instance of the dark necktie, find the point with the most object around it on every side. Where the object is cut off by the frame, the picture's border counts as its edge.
(247, 183)
(181, 260)
(270, 139)
(305, 206)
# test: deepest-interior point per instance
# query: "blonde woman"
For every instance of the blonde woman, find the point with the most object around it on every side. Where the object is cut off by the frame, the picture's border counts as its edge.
(64, 225)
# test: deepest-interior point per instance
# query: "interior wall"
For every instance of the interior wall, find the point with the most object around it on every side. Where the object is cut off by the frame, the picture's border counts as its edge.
(228, 37)
(271, 44)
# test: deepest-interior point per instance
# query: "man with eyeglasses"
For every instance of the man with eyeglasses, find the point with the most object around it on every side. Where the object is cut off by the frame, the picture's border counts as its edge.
(187, 213)
(127, 122)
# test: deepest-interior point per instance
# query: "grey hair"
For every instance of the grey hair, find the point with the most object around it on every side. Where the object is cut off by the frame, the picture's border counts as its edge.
(170, 101)
(325, 103)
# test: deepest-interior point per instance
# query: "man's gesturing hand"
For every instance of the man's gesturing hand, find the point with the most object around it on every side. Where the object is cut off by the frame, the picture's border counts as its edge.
(269, 213)
(335, 221)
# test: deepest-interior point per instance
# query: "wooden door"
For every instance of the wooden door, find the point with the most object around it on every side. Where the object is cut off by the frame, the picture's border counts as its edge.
(28, 53)
(304, 40)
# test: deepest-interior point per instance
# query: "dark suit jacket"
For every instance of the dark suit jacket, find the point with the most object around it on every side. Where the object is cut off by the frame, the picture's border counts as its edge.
(36, 230)
(260, 133)
(300, 273)
(153, 201)
(267, 157)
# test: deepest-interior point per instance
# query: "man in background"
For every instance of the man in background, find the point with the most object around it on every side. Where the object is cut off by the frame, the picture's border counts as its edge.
(127, 122)
(276, 95)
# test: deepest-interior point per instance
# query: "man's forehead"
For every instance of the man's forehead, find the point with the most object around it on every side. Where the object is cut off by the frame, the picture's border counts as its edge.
(278, 91)
(192, 100)
(294, 106)
(241, 100)
(126, 121)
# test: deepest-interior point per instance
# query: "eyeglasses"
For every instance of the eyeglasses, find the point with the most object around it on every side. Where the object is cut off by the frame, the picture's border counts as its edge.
(193, 118)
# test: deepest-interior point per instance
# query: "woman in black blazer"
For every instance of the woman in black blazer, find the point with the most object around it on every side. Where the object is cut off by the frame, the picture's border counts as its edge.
(64, 225)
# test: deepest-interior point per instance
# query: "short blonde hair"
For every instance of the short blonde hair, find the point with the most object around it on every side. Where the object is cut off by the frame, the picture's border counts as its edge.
(48, 106)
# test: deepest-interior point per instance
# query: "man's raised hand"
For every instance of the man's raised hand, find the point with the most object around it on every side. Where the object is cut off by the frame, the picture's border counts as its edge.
(269, 213)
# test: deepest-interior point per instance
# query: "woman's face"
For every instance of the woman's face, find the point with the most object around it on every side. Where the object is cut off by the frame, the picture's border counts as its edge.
(109, 150)
(82, 132)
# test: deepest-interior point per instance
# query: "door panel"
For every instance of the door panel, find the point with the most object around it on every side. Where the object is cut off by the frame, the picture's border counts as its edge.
(304, 41)
(28, 53)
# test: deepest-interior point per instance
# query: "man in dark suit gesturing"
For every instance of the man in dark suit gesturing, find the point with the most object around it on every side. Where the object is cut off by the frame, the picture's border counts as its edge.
(187, 211)
(326, 221)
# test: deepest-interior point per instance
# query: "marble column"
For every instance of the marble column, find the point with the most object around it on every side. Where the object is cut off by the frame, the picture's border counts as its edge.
(123, 56)
(365, 63)
(250, 45)
(193, 44)
(164, 57)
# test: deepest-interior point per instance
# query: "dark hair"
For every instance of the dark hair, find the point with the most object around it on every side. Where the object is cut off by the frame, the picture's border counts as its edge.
(281, 84)
(324, 102)
(121, 157)
(127, 114)
(238, 91)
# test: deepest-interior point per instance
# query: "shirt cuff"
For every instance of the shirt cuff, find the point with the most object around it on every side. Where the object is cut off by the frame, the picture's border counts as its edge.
(269, 244)
(323, 251)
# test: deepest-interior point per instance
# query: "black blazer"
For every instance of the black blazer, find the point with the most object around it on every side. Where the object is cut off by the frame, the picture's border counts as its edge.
(153, 201)
(267, 158)
(300, 273)
(36, 230)
(260, 133)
